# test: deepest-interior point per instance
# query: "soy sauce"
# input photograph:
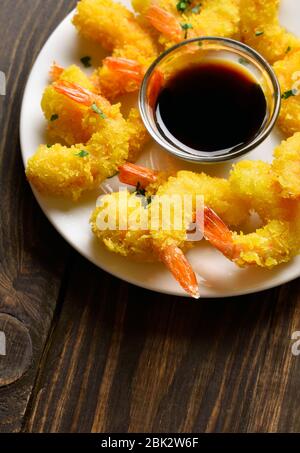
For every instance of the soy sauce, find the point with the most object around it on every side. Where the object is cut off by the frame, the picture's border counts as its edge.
(211, 107)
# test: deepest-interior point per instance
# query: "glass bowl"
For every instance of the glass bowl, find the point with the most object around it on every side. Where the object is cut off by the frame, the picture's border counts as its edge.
(195, 51)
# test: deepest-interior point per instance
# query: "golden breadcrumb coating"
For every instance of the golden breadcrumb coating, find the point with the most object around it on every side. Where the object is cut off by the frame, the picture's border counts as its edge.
(68, 172)
(138, 135)
(115, 28)
(136, 244)
(288, 73)
(260, 29)
(208, 18)
(71, 122)
(286, 166)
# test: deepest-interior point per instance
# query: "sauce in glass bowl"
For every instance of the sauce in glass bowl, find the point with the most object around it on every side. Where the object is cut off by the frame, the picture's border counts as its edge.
(212, 107)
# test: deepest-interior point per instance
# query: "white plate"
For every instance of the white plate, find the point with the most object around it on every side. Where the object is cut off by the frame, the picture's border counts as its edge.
(218, 277)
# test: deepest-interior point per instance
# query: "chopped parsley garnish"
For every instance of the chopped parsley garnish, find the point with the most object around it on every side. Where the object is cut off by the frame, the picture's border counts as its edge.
(82, 153)
(96, 109)
(288, 94)
(186, 27)
(196, 8)
(259, 33)
(288, 49)
(182, 5)
(49, 146)
(54, 117)
(243, 61)
(200, 43)
(139, 190)
(86, 61)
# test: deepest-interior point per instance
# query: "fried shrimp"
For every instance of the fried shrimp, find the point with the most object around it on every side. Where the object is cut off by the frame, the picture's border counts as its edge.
(67, 102)
(277, 241)
(75, 111)
(286, 167)
(116, 29)
(68, 171)
(167, 246)
(176, 21)
(288, 73)
(260, 28)
(253, 186)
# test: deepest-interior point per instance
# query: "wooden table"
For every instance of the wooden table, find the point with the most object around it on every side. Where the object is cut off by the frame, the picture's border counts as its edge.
(92, 353)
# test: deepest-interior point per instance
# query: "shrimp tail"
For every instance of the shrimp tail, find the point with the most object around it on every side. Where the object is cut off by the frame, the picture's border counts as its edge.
(130, 69)
(133, 174)
(56, 71)
(174, 259)
(74, 92)
(217, 233)
(164, 22)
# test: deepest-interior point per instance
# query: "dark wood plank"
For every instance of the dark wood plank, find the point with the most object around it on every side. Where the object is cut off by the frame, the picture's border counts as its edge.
(124, 359)
(30, 272)
(118, 358)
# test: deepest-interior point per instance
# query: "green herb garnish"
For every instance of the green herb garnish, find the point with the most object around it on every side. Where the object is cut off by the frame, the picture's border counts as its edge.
(49, 146)
(96, 109)
(186, 27)
(259, 33)
(200, 43)
(86, 61)
(139, 190)
(288, 49)
(243, 61)
(196, 8)
(54, 117)
(288, 94)
(182, 5)
(82, 153)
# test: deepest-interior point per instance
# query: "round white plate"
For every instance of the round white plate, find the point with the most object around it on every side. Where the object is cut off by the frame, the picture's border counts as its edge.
(218, 277)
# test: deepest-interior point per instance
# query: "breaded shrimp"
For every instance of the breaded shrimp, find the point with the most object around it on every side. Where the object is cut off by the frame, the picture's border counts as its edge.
(275, 243)
(178, 21)
(279, 239)
(79, 112)
(69, 171)
(252, 186)
(113, 140)
(65, 116)
(167, 246)
(260, 28)
(286, 167)
(116, 29)
(288, 73)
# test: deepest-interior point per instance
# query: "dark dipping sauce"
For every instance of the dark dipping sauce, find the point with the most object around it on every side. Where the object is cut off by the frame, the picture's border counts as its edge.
(211, 107)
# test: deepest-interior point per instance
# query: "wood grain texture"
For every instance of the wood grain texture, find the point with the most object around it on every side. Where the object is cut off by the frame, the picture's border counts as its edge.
(30, 274)
(16, 349)
(110, 356)
(124, 359)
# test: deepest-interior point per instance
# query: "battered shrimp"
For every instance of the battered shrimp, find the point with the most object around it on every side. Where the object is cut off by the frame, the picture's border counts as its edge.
(70, 117)
(278, 241)
(68, 171)
(177, 21)
(75, 112)
(288, 73)
(116, 30)
(286, 167)
(166, 246)
(260, 28)
(252, 186)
